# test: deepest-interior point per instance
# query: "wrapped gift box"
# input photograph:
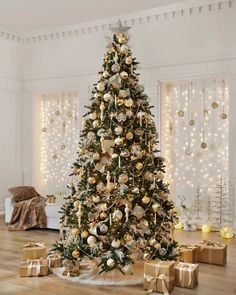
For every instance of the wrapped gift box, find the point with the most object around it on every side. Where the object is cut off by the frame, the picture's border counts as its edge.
(54, 260)
(34, 268)
(186, 275)
(34, 250)
(159, 276)
(71, 273)
(188, 253)
(213, 253)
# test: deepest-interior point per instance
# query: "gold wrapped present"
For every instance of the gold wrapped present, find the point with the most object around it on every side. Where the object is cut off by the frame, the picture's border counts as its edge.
(54, 260)
(188, 253)
(159, 276)
(212, 253)
(34, 250)
(71, 273)
(186, 275)
(34, 268)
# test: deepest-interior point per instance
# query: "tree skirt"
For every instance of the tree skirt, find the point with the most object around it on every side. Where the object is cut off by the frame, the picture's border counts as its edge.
(111, 278)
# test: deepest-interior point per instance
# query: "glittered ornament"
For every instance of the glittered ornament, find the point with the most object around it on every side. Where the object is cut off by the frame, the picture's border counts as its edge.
(129, 135)
(145, 199)
(157, 246)
(115, 68)
(75, 231)
(84, 234)
(118, 130)
(124, 49)
(118, 140)
(162, 251)
(203, 145)
(139, 131)
(96, 156)
(123, 178)
(103, 228)
(115, 243)
(124, 75)
(115, 81)
(91, 180)
(90, 135)
(91, 240)
(121, 117)
(181, 113)
(135, 190)
(96, 123)
(152, 242)
(223, 116)
(138, 211)
(76, 254)
(44, 129)
(110, 186)
(105, 74)
(95, 199)
(117, 214)
(149, 176)
(215, 105)
(110, 262)
(101, 86)
(93, 115)
(128, 102)
(124, 93)
(139, 166)
(107, 97)
(191, 122)
(128, 60)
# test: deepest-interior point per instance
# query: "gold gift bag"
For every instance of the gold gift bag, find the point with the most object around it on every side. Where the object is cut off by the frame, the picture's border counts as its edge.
(186, 275)
(212, 253)
(34, 268)
(159, 276)
(188, 253)
(54, 260)
(34, 250)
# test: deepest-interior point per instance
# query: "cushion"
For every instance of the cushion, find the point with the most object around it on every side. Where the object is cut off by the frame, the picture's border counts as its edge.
(22, 193)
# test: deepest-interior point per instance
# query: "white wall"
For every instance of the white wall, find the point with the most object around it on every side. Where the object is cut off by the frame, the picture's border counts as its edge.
(193, 39)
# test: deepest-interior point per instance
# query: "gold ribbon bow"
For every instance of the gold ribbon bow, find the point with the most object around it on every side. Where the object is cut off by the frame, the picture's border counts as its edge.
(34, 244)
(209, 243)
(33, 268)
(186, 246)
(189, 267)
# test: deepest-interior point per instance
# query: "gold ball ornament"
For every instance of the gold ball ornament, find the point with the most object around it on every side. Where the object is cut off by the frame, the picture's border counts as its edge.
(91, 240)
(124, 75)
(114, 156)
(129, 135)
(76, 254)
(117, 214)
(91, 180)
(107, 97)
(96, 156)
(103, 228)
(118, 130)
(110, 262)
(103, 215)
(96, 123)
(118, 141)
(206, 228)
(223, 116)
(123, 178)
(127, 237)
(101, 86)
(93, 115)
(146, 255)
(110, 186)
(180, 113)
(191, 122)
(157, 246)
(75, 231)
(84, 234)
(96, 199)
(128, 102)
(44, 129)
(215, 105)
(115, 243)
(145, 199)
(128, 60)
(105, 74)
(122, 39)
(203, 145)
(226, 232)
(124, 49)
(179, 225)
(139, 166)
(152, 242)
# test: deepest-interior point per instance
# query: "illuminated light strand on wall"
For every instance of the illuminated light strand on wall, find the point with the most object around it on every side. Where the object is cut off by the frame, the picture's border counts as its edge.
(59, 138)
(202, 167)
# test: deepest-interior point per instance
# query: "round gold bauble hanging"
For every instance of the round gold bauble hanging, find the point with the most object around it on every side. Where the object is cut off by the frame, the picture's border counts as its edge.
(129, 135)
(139, 166)
(91, 240)
(107, 97)
(103, 215)
(223, 116)
(100, 86)
(203, 145)
(123, 178)
(91, 180)
(96, 123)
(145, 199)
(75, 231)
(118, 130)
(84, 234)
(128, 102)
(95, 199)
(146, 255)
(114, 156)
(215, 105)
(76, 254)
(96, 156)
(93, 115)
(127, 237)
(110, 262)
(152, 242)
(124, 75)
(128, 60)
(180, 113)
(115, 243)
(105, 74)
(124, 49)
(118, 141)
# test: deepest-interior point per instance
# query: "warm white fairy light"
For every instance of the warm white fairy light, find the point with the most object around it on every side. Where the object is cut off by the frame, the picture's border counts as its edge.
(59, 115)
(197, 166)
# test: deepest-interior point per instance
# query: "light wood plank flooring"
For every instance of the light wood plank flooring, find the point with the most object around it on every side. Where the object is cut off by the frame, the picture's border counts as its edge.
(213, 280)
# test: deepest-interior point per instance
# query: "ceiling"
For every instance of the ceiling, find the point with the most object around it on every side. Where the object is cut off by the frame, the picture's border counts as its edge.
(29, 15)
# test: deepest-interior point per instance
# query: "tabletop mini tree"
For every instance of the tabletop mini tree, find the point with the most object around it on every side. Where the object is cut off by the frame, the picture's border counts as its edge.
(119, 204)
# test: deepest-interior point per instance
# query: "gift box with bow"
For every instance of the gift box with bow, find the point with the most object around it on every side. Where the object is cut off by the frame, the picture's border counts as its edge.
(34, 250)
(212, 253)
(159, 276)
(34, 268)
(188, 253)
(54, 260)
(186, 275)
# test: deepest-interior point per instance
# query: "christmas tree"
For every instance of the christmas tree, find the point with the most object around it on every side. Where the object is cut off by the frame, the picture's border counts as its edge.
(119, 203)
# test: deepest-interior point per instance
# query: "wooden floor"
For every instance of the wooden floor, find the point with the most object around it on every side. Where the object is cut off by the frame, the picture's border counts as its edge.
(213, 280)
